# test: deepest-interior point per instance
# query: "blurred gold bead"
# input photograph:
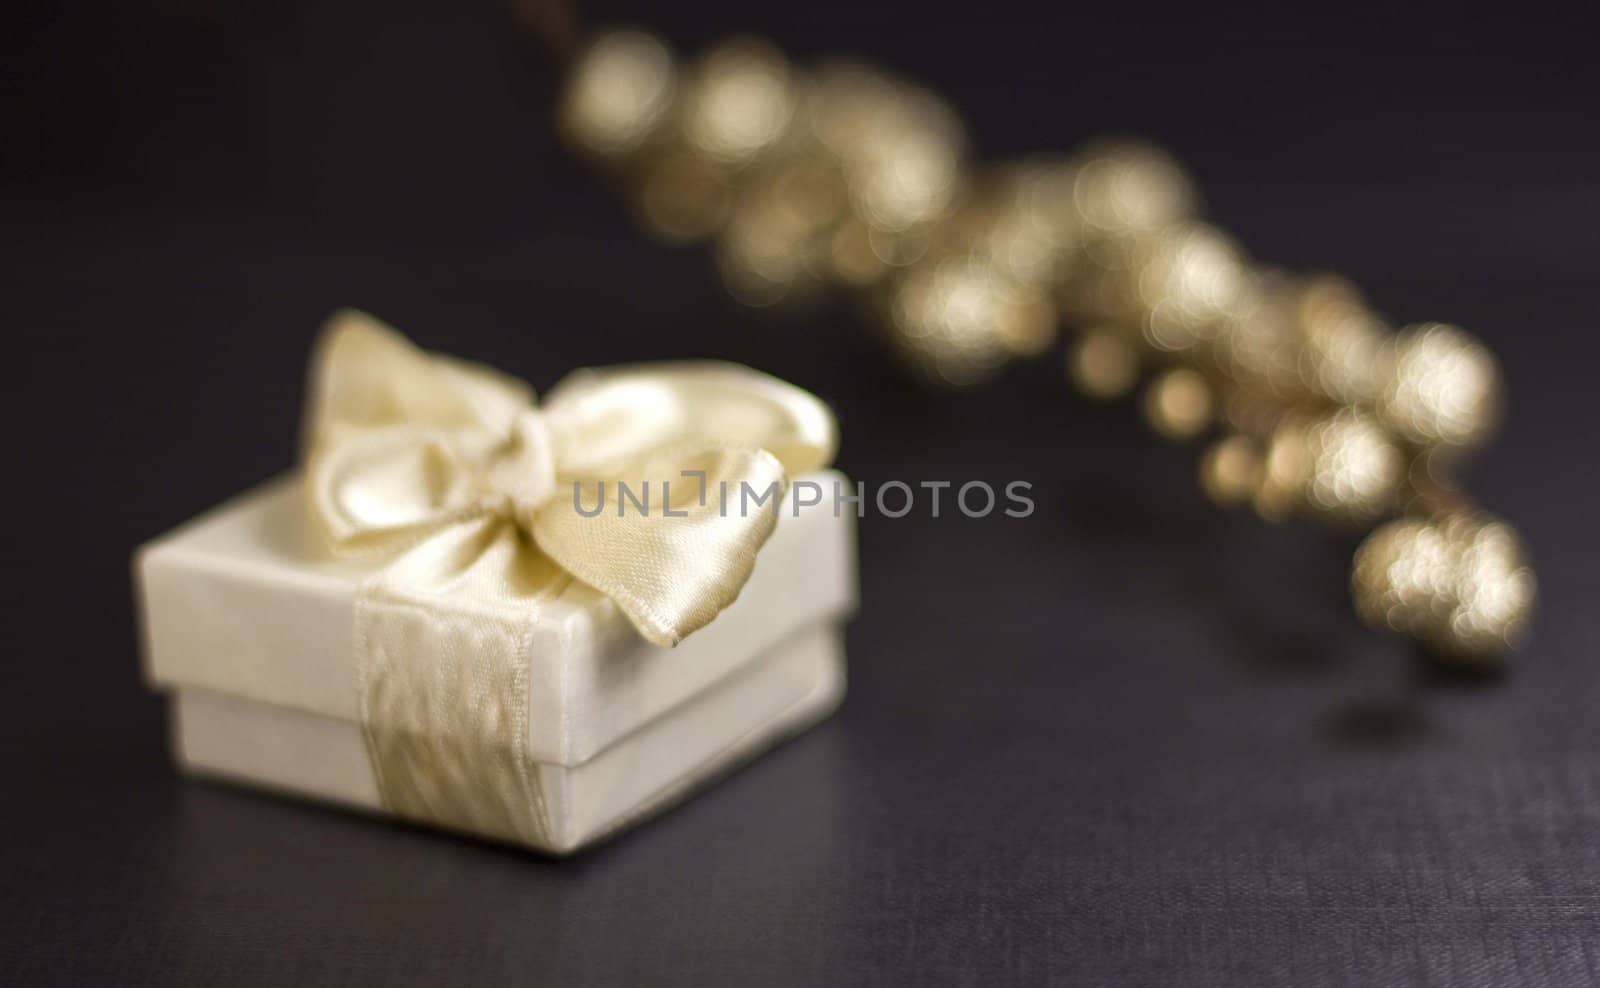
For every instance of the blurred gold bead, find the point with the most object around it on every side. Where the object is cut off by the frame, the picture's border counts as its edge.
(1231, 470)
(850, 105)
(1255, 343)
(861, 254)
(1285, 471)
(1341, 340)
(1097, 286)
(681, 198)
(1130, 187)
(1184, 282)
(899, 145)
(1342, 466)
(1178, 404)
(1495, 588)
(1030, 326)
(957, 320)
(619, 94)
(1356, 468)
(1013, 224)
(854, 109)
(807, 190)
(1398, 572)
(740, 102)
(1177, 285)
(852, 257)
(1042, 190)
(1440, 386)
(1460, 583)
(905, 181)
(1025, 323)
(1326, 295)
(900, 250)
(760, 262)
(1102, 364)
(775, 244)
(1250, 410)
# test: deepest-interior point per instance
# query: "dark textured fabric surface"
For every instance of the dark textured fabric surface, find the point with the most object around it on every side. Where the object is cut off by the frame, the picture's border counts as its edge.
(1130, 740)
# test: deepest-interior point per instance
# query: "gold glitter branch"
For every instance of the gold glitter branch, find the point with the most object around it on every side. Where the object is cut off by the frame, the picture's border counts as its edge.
(846, 176)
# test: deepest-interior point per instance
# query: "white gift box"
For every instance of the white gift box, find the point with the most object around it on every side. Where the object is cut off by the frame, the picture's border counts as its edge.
(248, 623)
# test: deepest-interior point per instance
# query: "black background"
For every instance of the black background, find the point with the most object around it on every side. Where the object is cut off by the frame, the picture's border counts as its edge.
(1129, 740)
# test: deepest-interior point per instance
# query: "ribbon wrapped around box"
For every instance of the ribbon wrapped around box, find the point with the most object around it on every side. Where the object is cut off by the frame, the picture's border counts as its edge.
(532, 623)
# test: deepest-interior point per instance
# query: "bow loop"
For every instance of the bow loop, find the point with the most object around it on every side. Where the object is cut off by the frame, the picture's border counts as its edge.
(672, 541)
(404, 446)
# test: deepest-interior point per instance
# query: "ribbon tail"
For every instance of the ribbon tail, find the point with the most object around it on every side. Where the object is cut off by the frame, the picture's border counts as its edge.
(673, 541)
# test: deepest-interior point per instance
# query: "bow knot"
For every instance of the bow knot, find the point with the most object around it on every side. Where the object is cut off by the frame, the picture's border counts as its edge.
(405, 448)
(523, 471)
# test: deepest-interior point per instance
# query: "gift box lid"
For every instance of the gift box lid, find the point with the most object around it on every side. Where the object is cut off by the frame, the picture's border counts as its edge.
(245, 601)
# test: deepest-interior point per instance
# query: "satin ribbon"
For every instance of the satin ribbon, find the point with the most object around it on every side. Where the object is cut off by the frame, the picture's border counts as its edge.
(483, 505)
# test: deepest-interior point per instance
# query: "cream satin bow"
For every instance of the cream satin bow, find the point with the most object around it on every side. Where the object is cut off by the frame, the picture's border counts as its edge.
(405, 448)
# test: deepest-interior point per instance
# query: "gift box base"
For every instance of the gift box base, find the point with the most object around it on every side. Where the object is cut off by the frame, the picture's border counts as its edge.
(794, 685)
